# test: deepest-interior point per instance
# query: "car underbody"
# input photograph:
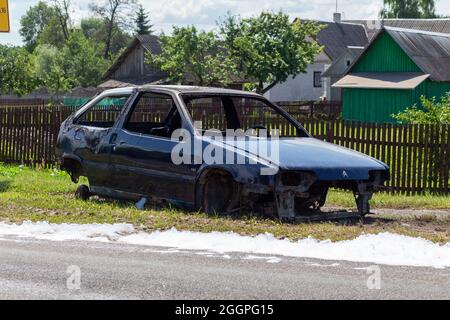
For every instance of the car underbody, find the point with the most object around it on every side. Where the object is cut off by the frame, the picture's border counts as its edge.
(289, 202)
(299, 196)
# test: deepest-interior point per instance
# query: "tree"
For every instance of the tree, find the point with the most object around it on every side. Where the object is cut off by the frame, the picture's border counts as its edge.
(62, 8)
(80, 62)
(192, 55)
(95, 29)
(408, 9)
(48, 68)
(33, 22)
(16, 71)
(431, 112)
(77, 63)
(142, 22)
(116, 15)
(52, 34)
(269, 48)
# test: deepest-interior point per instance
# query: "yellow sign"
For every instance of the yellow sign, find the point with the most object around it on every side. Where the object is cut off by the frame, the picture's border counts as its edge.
(4, 16)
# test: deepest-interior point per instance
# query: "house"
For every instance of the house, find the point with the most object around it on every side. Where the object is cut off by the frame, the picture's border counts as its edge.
(394, 71)
(130, 67)
(337, 38)
(430, 25)
(338, 68)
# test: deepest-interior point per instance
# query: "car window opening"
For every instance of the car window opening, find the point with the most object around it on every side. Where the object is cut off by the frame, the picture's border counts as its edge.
(104, 113)
(154, 114)
(237, 112)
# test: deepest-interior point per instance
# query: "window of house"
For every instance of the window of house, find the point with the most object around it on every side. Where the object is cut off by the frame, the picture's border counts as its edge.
(317, 79)
(104, 113)
(154, 114)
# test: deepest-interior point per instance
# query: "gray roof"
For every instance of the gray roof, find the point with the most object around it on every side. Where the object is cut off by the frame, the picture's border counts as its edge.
(431, 25)
(430, 51)
(150, 43)
(337, 37)
(337, 65)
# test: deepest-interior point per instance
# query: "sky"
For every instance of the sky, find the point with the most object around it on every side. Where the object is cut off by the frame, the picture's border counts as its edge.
(205, 13)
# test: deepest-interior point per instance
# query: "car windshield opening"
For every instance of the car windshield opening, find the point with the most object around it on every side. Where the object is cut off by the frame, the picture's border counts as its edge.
(254, 116)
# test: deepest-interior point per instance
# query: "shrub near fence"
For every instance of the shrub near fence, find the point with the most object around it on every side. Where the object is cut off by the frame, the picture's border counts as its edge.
(419, 155)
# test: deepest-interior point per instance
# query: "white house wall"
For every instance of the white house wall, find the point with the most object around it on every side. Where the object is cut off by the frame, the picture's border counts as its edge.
(301, 88)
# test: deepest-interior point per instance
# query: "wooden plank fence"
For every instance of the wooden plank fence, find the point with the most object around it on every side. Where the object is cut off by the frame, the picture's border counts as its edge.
(419, 155)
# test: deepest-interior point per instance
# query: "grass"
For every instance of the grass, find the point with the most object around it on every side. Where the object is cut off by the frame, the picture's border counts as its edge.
(385, 200)
(47, 195)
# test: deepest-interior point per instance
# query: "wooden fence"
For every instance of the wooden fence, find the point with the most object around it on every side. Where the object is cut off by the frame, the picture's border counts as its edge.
(419, 155)
(326, 110)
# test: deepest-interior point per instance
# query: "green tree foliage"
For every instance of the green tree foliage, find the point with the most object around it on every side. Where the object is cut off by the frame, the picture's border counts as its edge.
(408, 9)
(16, 71)
(194, 56)
(269, 48)
(92, 28)
(34, 21)
(77, 63)
(95, 29)
(52, 34)
(431, 112)
(142, 22)
(80, 62)
(49, 68)
(64, 57)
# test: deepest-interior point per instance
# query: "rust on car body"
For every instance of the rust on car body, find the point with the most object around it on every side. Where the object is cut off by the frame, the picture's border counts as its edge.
(123, 142)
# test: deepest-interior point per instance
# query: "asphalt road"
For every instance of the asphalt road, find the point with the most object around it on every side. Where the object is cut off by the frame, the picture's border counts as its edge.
(33, 269)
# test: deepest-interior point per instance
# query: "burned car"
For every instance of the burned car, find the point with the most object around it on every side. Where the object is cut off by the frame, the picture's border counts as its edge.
(171, 143)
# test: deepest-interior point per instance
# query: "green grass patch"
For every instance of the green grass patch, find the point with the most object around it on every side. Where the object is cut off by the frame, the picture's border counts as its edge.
(385, 200)
(48, 195)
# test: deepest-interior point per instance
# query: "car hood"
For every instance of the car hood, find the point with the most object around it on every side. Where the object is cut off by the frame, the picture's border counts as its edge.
(328, 161)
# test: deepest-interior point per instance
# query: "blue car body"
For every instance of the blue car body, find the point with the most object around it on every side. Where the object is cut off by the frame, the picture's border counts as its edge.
(124, 159)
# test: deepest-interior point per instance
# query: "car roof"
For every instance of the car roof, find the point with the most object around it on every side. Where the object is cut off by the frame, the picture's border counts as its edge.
(180, 89)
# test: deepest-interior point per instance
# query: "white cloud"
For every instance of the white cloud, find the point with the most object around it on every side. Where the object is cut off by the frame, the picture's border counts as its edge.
(205, 13)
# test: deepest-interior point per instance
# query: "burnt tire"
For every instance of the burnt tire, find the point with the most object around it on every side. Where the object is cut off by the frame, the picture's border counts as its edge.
(83, 193)
(219, 194)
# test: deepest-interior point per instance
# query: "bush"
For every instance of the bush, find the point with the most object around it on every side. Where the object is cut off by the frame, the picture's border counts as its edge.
(431, 112)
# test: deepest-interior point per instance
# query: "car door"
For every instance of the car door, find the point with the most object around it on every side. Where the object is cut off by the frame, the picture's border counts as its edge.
(92, 130)
(142, 151)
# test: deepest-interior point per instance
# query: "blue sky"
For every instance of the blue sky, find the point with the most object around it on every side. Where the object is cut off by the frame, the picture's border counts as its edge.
(205, 13)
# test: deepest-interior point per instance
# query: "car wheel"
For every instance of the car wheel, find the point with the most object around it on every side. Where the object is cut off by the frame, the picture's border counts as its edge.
(218, 194)
(83, 192)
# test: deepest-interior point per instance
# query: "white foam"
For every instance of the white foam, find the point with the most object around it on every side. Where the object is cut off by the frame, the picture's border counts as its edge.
(384, 248)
